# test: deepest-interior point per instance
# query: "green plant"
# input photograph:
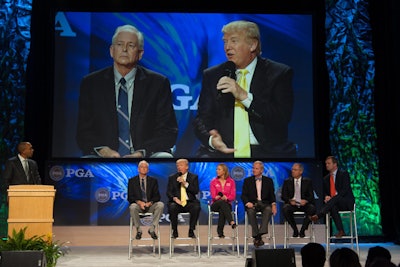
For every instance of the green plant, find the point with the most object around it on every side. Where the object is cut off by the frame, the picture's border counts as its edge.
(18, 241)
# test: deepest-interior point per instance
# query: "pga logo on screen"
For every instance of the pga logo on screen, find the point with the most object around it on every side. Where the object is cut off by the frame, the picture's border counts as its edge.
(184, 99)
(57, 173)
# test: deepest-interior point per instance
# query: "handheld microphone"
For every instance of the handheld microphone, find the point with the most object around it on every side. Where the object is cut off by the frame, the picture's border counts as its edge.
(178, 174)
(229, 71)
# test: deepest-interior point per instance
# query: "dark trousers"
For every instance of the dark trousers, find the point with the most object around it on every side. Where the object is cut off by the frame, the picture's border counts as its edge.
(193, 207)
(225, 213)
(334, 205)
(288, 211)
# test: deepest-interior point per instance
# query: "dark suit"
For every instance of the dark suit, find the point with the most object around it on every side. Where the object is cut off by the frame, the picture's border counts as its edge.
(269, 113)
(249, 194)
(306, 193)
(344, 199)
(14, 173)
(153, 124)
(135, 193)
(152, 194)
(193, 204)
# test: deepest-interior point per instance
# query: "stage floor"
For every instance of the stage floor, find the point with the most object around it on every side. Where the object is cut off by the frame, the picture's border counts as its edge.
(98, 246)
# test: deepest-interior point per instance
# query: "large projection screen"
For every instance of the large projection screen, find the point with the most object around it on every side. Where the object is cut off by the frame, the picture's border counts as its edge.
(180, 46)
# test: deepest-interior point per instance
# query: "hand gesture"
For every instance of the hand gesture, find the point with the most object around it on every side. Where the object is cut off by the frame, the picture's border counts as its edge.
(219, 144)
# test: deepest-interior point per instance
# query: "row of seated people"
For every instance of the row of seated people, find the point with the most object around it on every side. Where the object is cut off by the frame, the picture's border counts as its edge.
(258, 196)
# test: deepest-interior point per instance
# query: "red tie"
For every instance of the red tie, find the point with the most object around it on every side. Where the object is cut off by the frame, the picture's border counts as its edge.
(333, 189)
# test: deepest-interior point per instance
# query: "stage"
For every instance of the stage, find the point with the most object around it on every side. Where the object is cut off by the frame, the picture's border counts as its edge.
(97, 246)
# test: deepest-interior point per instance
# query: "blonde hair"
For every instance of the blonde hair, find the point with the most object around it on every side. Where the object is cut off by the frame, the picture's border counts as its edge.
(250, 29)
(224, 168)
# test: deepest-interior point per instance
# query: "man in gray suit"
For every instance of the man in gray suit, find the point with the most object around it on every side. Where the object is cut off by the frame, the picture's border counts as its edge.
(21, 169)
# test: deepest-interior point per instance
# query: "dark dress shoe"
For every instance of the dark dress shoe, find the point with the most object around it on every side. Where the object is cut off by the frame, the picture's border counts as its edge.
(234, 225)
(302, 234)
(138, 235)
(174, 234)
(314, 218)
(191, 234)
(221, 236)
(295, 234)
(258, 243)
(340, 234)
(152, 234)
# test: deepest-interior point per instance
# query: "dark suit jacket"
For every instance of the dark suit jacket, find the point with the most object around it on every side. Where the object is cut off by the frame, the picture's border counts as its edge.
(14, 173)
(269, 113)
(153, 123)
(343, 188)
(135, 192)
(249, 190)
(174, 187)
(307, 191)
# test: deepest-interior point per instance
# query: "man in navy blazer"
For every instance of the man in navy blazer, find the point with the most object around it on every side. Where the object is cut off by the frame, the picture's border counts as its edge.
(14, 172)
(265, 202)
(183, 181)
(342, 198)
(153, 126)
(146, 200)
(268, 103)
(305, 202)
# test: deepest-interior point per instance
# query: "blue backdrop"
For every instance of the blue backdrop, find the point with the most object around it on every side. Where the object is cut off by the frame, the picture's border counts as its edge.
(96, 193)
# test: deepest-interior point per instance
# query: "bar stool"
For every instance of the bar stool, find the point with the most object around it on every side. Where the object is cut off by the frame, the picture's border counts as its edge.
(155, 242)
(351, 216)
(214, 215)
(297, 215)
(270, 238)
(195, 242)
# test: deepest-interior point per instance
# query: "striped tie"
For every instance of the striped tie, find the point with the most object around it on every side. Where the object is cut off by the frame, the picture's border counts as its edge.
(241, 123)
(143, 187)
(123, 119)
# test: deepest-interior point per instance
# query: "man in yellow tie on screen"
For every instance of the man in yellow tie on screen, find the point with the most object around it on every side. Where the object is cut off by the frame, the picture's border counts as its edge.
(246, 103)
(182, 191)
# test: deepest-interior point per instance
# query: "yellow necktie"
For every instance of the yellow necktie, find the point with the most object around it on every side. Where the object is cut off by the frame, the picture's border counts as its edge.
(183, 196)
(241, 123)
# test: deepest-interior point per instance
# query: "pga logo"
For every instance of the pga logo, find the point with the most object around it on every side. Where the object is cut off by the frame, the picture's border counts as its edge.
(79, 173)
(102, 195)
(57, 173)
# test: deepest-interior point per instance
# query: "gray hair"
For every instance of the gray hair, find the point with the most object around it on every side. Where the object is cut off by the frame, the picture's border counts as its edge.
(131, 29)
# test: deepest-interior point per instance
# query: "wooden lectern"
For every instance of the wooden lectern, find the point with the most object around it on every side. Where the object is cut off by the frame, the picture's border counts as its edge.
(31, 206)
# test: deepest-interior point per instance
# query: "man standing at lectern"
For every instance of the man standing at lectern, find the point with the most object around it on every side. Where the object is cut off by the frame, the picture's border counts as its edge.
(21, 169)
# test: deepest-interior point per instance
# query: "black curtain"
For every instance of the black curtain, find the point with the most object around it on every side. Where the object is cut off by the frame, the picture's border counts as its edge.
(385, 24)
